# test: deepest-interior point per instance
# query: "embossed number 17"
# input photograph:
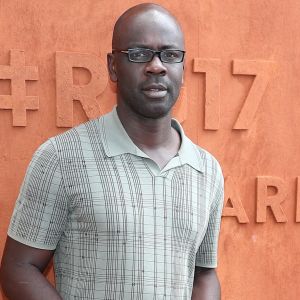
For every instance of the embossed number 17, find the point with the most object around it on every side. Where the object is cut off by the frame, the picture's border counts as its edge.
(261, 69)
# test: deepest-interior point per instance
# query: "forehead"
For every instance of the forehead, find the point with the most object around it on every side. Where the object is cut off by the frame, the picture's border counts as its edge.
(152, 29)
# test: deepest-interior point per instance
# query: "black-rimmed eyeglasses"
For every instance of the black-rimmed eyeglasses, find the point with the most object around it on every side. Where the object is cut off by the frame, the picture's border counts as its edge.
(142, 55)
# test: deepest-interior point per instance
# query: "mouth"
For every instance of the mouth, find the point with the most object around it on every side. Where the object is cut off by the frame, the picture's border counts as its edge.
(155, 91)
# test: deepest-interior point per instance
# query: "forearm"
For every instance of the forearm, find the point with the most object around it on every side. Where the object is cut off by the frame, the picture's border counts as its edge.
(206, 285)
(27, 282)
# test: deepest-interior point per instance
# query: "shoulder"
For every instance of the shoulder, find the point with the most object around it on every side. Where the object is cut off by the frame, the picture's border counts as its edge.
(89, 130)
(213, 175)
(209, 161)
(214, 178)
(69, 144)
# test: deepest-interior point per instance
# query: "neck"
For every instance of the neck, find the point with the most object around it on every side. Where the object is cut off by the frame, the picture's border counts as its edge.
(146, 132)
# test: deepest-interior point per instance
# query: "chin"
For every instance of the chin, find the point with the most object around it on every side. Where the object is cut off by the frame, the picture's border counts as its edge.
(149, 108)
(155, 112)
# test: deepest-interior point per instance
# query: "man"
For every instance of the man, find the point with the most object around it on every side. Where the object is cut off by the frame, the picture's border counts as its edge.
(127, 204)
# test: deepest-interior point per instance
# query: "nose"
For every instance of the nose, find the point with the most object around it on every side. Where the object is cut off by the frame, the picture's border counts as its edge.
(155, 67)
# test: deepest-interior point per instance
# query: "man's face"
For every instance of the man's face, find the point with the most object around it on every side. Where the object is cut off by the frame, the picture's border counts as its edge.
(148, 89)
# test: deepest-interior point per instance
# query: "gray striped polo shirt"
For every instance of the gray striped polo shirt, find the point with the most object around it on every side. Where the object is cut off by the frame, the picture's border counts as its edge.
(122, 227)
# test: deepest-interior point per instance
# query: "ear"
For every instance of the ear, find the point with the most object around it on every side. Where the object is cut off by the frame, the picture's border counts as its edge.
(182, 78)
(111, 67)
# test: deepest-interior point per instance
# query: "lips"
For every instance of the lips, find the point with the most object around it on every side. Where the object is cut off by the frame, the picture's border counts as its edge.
(155, 91)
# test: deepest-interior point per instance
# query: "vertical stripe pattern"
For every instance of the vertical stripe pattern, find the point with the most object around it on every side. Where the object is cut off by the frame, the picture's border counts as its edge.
(122, 228)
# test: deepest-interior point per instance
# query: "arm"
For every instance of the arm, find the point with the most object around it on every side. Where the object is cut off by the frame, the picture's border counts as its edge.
(206, 284)
(21, 273)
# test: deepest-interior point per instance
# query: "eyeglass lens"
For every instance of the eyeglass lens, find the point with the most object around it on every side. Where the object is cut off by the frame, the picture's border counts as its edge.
(146, 55)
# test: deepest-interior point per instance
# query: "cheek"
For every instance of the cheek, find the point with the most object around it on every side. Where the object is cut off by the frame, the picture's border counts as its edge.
(177, 80)
(129, 82)
(176, 74)
(129, 72)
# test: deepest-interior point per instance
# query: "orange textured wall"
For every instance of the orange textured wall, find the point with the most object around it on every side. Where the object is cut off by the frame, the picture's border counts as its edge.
(240, 101)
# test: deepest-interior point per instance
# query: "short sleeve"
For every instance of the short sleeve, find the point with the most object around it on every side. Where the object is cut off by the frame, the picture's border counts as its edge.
(207, 253)
(41, 208)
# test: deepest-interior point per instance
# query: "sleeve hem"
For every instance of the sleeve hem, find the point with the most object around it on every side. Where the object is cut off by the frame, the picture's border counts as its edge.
(204, 265)
(30, 243)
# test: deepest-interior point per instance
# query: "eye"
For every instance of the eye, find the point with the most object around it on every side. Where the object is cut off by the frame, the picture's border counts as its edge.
(172, 54)
(139, 53)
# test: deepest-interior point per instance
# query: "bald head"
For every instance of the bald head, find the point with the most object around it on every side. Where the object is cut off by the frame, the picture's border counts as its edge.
(138, 18)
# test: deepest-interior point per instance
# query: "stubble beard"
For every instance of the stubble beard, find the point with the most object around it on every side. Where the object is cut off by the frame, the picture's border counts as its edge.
(148, 108)
(151, 109)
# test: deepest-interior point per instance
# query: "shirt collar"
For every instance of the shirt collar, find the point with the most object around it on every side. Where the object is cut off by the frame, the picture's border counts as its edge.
(188, 151)
(118, 142)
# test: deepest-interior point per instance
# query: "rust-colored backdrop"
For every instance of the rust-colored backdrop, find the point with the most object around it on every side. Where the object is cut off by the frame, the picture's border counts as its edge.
(240, 101)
